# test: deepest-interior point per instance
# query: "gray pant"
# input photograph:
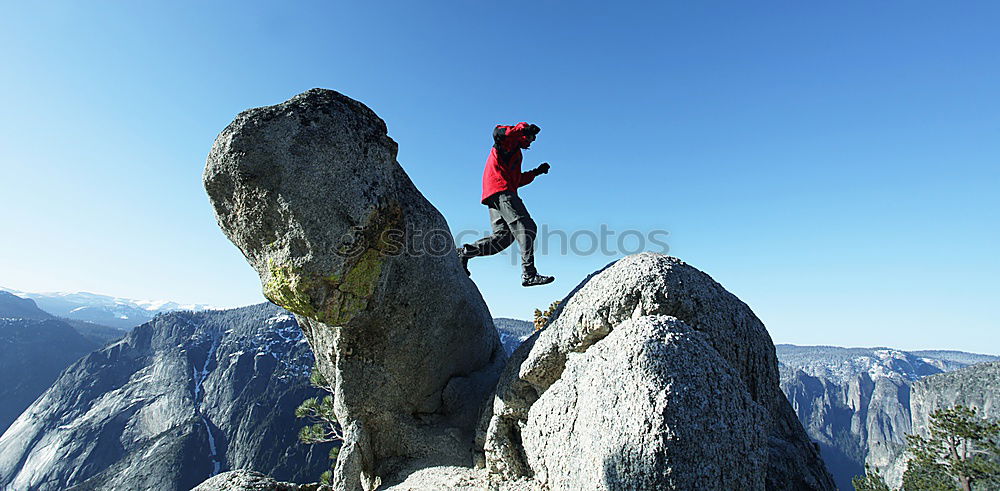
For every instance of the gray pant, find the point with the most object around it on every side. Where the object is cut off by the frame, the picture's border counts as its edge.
(510, 220)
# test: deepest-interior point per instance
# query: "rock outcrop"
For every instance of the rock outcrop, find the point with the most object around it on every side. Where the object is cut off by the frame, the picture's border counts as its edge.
(975, 386)
(311, 193)
(247, 480)
(662, 378)
(685, 422)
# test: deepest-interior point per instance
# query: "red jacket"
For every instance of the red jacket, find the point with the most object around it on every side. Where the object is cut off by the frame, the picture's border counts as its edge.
(503, 166)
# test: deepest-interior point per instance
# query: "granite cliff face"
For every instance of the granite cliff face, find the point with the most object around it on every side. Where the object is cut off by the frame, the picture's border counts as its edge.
(975, 386)
(181, 398)
(856, 402)
(652, 375)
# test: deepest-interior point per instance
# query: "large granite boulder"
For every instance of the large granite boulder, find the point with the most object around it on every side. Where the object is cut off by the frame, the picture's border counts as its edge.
(649, 371)
(311, 193)
(650, 406)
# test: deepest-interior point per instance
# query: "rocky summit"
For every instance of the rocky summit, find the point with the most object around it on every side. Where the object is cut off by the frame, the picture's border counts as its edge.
(650, 376)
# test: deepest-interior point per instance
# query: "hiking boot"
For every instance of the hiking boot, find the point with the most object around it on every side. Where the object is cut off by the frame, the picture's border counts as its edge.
(465, 261)
(536, 279)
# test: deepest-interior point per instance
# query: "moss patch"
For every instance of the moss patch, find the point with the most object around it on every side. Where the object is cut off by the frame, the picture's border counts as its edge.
(333, 299)
(339, 296)
(289, 288)
(362, 279)
(342, 307)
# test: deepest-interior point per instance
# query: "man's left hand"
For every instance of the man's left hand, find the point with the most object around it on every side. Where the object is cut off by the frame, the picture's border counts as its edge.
(542, 169)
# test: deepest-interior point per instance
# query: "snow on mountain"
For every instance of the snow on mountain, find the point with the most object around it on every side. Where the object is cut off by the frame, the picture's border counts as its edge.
(104, 309)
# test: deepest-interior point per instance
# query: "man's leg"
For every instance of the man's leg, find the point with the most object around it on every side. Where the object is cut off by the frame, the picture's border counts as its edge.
(501, 239)
(524, 229)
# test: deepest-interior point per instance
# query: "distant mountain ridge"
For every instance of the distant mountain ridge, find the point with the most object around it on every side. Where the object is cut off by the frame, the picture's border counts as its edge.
(123, 313)
(15, 307)
(855, 402)
(955, 356)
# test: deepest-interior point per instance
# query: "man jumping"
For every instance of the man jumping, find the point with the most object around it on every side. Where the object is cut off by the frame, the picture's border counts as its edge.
(508, 216)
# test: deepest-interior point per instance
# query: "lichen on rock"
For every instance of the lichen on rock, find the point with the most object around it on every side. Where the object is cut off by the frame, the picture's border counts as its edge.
(290, 289)
(335, 297)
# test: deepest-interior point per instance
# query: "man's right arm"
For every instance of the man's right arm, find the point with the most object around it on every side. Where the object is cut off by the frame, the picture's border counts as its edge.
(506, 139)
(499, 133)
(502, 145)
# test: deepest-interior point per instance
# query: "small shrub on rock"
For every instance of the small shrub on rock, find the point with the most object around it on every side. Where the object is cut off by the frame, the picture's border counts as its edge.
(323, 427)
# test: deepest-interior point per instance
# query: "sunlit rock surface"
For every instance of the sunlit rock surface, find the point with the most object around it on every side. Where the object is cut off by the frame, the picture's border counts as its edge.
(634, 354)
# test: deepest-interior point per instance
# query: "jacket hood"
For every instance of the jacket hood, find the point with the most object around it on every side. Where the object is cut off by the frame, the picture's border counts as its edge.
(507, 138)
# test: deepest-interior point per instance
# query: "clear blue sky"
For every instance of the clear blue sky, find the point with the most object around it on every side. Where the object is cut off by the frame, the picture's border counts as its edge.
(834, 164)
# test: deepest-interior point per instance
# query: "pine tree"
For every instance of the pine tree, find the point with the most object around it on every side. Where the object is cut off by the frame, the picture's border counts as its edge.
(871, 481)
(323, 427)
(542, 318)
(961, 448)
